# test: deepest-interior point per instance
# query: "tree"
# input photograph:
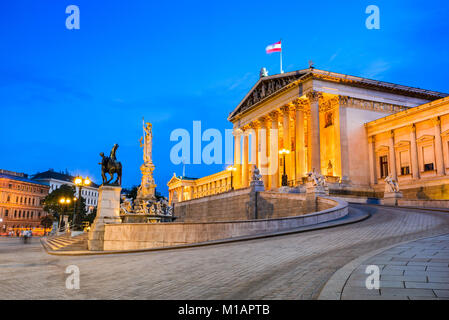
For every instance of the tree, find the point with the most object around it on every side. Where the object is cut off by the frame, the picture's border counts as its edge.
(131, 193)
(47, 221)
(52, 204)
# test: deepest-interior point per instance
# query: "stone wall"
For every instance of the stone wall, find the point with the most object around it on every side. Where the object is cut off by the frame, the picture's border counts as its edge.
(241, 205)
(137, 236)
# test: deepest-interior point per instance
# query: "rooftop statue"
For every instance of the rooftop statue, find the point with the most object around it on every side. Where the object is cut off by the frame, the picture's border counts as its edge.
(110, 165)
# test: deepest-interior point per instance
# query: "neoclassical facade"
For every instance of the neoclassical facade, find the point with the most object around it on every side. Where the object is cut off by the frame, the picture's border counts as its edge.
(339, 125)
(20, 201)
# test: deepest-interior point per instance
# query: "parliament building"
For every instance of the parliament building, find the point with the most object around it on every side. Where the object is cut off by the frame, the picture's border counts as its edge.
(352, 130)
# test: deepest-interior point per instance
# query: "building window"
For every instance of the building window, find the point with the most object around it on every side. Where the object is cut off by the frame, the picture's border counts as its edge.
(6, 213)
(8, 199)
(404, 157)
(383, 166)
(427, 152)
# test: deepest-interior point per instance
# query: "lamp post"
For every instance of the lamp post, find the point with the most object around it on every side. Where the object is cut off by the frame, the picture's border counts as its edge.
(284, 176)
(232, 169)
(64, 202)
(80, 182)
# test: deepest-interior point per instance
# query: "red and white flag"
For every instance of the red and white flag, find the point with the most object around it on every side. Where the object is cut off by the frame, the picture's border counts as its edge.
(275, 47)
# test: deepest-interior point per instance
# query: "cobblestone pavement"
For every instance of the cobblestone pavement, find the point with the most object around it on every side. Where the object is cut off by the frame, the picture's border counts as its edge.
(287, 267)
(415, 270)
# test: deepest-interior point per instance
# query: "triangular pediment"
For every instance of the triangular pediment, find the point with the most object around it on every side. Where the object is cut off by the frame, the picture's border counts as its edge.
(173, 180)
(265, 88)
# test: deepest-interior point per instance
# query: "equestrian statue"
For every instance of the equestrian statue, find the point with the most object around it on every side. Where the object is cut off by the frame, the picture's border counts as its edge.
(111, 166)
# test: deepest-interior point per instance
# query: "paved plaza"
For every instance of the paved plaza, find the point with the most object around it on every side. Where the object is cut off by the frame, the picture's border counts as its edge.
(295, 266)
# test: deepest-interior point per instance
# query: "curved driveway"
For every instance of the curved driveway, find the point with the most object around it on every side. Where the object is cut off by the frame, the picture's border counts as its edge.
(286, 267)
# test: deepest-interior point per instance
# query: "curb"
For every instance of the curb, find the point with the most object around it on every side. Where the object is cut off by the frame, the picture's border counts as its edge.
(333, 288)
(359, 216)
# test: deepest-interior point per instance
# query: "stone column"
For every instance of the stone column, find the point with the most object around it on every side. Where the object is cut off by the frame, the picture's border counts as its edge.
(255, 125)
(286, 139)
(344, 143)
(245, 161)
(372, 160)
(414, 152)
(299, 139)
(438, 147)
(237, 178)
(392, 154)
(274, 151)
(314, 98)
(264, 140)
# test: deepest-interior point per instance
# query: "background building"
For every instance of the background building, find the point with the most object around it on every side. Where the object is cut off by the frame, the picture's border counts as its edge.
(56, 179)
(20, 201)
(354, 131)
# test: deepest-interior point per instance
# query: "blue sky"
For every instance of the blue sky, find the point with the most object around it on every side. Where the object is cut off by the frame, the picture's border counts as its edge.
(66, 95)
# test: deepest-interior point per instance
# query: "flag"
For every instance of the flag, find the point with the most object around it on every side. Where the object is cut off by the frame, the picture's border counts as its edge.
(275, 47)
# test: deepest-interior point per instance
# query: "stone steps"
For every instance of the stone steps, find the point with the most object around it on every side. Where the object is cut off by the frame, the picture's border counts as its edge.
(65, 243)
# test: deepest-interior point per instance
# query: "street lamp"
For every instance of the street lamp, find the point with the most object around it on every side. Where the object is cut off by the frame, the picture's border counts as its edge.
(80, 182)
(284, 176)
(64, 202)
(231, 168)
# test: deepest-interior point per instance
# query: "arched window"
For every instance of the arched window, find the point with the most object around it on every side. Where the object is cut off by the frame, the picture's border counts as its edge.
(39, 214)
(20, 213)
(8, 199)
(32, 214)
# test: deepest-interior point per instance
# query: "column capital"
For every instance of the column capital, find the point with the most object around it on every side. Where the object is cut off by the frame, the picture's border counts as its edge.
(300, 104)
(274, 115)
(391, 134)
(436, 121)
(371, 139)
(285, 109)
(411, 128)
(343, 100)
(314, 96)
(264, 121)
(255, 124)
(237, 132)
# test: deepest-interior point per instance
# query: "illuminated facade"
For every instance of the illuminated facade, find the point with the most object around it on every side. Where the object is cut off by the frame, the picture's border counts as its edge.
(340, 126)
(20, 201)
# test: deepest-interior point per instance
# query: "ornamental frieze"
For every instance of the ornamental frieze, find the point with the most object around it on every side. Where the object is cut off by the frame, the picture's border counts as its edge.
(265, 89)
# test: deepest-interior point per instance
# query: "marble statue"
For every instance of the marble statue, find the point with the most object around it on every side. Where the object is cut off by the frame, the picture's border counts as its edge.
(147, 143)
(256, 176)
(317, 179)
(391, 184)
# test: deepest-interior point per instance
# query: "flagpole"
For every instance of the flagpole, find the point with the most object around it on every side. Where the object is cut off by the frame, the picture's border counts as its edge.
(281, 57)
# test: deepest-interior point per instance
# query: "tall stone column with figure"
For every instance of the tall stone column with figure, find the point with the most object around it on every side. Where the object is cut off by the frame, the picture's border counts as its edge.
(286, 143)
(108, 209)
(314, 98)
(147, 187)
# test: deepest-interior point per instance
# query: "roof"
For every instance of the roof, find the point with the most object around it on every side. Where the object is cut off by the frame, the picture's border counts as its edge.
(281, 81)
(22, 179)
(50, 174)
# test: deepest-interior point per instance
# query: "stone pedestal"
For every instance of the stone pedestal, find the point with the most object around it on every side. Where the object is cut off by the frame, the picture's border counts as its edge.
(257, 185)
(316, 190)
(391, 198)
(147, 187)
(108, 211)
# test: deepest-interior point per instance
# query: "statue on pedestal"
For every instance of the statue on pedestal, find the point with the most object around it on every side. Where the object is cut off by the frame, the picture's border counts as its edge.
(391, 184)
(147, 187)
(111, 166)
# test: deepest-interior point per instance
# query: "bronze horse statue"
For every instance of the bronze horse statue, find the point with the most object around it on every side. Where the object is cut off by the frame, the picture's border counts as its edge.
(111, 166)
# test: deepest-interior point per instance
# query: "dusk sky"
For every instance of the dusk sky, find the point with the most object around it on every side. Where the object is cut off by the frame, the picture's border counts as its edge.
(67, 95)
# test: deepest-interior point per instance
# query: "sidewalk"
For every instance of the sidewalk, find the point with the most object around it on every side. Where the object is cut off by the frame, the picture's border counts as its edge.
(414, 270)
